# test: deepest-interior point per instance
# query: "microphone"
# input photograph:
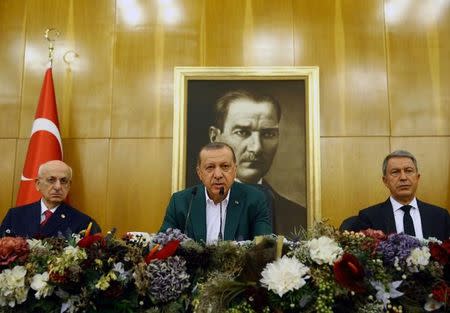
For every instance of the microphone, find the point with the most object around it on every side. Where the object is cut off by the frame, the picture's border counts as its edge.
(221, 193)
(193, 193)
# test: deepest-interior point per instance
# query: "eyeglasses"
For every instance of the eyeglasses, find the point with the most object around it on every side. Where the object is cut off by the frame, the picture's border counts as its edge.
(398, 172)
(64, 181)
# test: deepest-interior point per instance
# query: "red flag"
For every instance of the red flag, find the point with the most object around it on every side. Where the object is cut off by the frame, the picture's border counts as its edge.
(45, 142)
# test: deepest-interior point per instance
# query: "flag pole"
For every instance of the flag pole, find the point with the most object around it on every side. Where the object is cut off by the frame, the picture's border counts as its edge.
(51, 34)
(45, 142)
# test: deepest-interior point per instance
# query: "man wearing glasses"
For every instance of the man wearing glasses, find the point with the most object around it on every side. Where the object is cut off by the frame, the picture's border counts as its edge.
(49, 216)
(402, 212)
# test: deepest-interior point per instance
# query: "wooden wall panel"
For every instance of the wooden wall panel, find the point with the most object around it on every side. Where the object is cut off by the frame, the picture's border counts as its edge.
(351, 175)
(383, 74)
(433, 158)
(139, 183)
(8, 154)
(12, 32)
(89, 159)
(145, 55)
(346, 40)
(419, 67)
(247, 33)
(85, 86)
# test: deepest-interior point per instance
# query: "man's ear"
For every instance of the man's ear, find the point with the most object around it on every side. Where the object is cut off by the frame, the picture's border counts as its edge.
(36, 184)
(214, 132)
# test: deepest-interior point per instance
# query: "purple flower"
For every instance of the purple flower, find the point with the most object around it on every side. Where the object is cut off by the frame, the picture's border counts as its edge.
(397, 247)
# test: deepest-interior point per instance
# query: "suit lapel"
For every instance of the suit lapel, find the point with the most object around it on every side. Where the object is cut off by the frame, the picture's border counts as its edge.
(58, 221)
(198, 214)
(426, 219)
(34, 219)
(234, 211)
(389, 217)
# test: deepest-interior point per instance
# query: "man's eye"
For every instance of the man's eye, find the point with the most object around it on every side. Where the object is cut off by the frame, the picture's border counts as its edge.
(51, 180)
(242, 132)
(409, 171)
(269, 133)
(226, 167)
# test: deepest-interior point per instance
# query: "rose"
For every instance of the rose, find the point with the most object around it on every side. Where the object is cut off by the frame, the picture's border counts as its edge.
(13, 249)
(441, 293)
(349, 273)
(438, 252)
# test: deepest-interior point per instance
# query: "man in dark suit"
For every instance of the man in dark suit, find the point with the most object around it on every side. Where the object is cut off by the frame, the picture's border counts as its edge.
(402, 212)
(219, 208)
(49, 216)
(249, 123)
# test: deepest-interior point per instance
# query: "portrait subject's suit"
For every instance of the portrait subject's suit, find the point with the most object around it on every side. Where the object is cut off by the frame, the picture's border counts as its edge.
(25, 221)
(435, 220)
(285, 214)
(247, 213)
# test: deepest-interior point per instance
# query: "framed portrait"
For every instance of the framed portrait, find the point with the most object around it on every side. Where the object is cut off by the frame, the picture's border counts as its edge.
(270, 117)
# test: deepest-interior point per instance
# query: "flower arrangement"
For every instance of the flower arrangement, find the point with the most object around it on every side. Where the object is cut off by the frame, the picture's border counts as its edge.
(324, 270)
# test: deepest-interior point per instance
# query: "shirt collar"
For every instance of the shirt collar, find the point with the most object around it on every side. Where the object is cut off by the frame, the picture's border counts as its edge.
(397, 205)
(44, 207)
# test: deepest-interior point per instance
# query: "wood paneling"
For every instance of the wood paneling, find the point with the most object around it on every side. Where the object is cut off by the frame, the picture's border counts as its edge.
(12, 32)
(384, 77)
(139, 183)
(419, 67)
(89, 161)
(433, 160)
(8, 153)
(346, 40)
(351, 175)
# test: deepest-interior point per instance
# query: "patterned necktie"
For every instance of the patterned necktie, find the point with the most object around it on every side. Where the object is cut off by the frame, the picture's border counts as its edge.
(47, 215)
(408, 225)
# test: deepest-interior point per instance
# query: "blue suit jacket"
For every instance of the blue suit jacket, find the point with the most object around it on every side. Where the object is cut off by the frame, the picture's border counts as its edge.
(247, 213)
(25, 220)
(435, 220)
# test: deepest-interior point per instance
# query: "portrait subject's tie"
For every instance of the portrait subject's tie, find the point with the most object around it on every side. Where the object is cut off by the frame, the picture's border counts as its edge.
(408, 225)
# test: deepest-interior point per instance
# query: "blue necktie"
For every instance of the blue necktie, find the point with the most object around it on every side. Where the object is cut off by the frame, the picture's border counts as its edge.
(408, 225)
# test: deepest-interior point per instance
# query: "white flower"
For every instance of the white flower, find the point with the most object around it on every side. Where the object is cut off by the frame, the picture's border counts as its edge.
(39, 282)
(418, 259)
(12, 286)
(384, 293)
(145, 238)
(324, 250)
(36, 244)
(432, 305)
(284, 275)
(120, 270)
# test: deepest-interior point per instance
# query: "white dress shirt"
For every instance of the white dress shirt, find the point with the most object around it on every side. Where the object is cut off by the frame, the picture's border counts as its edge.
(415, 215)
(213, 217)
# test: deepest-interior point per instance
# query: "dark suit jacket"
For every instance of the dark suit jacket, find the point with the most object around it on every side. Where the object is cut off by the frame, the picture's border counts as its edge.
(25, 220)
(247, 213)
(285, 214)
(435, 220)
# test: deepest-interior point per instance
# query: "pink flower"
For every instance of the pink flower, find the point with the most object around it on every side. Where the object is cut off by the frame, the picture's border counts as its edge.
(13, 249)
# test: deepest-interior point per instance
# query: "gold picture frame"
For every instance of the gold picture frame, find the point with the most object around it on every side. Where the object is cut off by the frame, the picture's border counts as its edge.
(195, 89)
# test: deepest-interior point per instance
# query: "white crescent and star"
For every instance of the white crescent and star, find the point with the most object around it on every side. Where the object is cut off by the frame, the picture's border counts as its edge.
(44, 124)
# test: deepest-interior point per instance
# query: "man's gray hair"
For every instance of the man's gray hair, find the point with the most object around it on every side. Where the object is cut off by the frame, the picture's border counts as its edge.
(43, 167)
(215, 146)
(398, 154)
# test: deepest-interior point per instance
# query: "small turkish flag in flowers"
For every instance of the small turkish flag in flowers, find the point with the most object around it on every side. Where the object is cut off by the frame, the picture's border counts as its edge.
(168, 250)
(349, 273)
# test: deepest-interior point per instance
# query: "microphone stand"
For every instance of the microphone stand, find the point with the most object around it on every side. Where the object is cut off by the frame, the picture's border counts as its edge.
(193, 193)
(221, 193)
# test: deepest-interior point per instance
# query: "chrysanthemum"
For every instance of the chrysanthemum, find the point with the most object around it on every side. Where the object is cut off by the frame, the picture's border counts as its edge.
(284, 275)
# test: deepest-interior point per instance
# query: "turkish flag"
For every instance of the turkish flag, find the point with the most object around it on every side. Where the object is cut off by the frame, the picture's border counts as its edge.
(45, 142)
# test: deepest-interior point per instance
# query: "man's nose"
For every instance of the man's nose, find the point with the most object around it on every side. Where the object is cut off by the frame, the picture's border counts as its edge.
(217, 173)
(403, 175)
(254, 142)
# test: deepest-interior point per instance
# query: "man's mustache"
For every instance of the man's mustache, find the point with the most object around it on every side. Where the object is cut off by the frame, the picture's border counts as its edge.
(251, 157)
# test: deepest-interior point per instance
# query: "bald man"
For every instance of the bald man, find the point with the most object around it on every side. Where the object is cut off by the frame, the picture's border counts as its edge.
(49, 216)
